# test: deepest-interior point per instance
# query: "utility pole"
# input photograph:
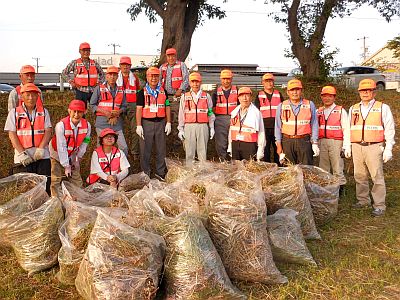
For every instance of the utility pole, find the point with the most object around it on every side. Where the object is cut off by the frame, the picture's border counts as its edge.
(114, 46)
(37, 63)
(365, 49)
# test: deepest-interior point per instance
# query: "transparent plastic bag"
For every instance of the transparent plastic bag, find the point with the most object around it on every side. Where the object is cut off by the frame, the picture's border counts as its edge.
(121, 262)
(286, 239)
(176, 170)
(134, 182)
(257, 167)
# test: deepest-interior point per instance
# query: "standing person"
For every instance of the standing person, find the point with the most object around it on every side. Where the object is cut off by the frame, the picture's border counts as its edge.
(109, 104)
(87, 73)
(130, 85)
(246, 136)
(196, 120)
(29, 130)
(225, 99)
(267, 101)
(296, 126)
(334, 133)
(109, 164)
(372, 132)
(68, 145)
(153, 119)
(27, 75)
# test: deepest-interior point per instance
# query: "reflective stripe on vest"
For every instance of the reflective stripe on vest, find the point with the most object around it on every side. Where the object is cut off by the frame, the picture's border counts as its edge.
(107, 102)
(371, 129)
(153, 107)
(268, 108)
(72, 144)
(83, 77)
(241, 132)
(226, 106)
(30, 134)
(296, 125)
(130, 90)
(196, 113)
(109, 167)
(39, 101)
(330, 128)
(176, 76)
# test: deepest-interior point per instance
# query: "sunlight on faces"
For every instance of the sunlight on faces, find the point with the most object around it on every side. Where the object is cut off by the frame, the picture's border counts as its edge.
(226, 83)
(171, 59)
(294, 94)
(268, 84)
(195, 85)
(328, 99)
(245, 100)
(111, 78)
(30, 99)
(27, 78)
(125, 68)
(153, 80)
(85, 53)
(367, 95)
(75, 115)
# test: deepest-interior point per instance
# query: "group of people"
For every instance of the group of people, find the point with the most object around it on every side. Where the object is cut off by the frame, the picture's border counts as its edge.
(268, 129)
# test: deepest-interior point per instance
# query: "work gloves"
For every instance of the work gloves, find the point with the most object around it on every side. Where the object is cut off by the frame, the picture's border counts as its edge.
(315, 149)
(181, 135)
(168, 128)
(229, 150)
(212, 133)
(282, 157)
(139, 131)
(39, 154)
(387, 155)
(347, 151)
(68, 171)
(24, 158)
(260, 153)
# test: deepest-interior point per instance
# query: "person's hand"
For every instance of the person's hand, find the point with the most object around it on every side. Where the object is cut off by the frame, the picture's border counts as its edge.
(279, 149)
(139, 131)
(25, 158)
(178, 93)
(315, 149)
(212, 133)
(181, 135)
(260, 153)
(106, 113)
(68, 171)
(115, 113)
(39, 154)
(112, 121)
(347, 152)
(72, 84)
(387, 155)
(168, 128)
(112, 178)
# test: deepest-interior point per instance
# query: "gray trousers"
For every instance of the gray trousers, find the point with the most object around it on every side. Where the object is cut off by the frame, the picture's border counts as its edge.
(196, 139)
(221, 126)
(329, 158)
(298, 151)
(154, 134)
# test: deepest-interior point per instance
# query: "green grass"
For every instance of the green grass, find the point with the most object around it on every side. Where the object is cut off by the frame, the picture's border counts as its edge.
(358, 256)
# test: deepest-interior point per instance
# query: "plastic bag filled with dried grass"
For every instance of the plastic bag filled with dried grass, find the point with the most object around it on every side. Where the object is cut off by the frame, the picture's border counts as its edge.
(237, 226)
(257, 167)
(121, 262)
(134, 182)
(285, 189)
(242, 181)
(34, 237)
(176, 170)
(323, 192)
(286, 239)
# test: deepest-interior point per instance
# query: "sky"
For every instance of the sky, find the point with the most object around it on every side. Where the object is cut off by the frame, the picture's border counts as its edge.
(52, 31)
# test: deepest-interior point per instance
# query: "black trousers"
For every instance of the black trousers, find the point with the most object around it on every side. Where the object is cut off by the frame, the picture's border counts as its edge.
(270, 141)
(244, 150)
(298, 151)
(40, 167)
(85, 97)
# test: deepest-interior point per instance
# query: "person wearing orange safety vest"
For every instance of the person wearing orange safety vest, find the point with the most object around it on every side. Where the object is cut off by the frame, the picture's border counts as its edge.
(87, 74)
(68, 145)
(246, 132)
(153, 117)
(29, 130)
(333, 136)
(196, 120)
(108, 102)
(296, 127)
(225, 101)
(372, 133)
(27, 75)
(267, 101)
(109, 164)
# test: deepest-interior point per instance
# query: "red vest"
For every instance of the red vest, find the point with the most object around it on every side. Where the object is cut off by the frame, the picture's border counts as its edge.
(242, 133)
(369, 130)
(130, 90)
(83, 77)
(296, 125)
(226, 106)
(196, 113)
(330, 128)
(109, 167)
(29, 135)
(39, 101)
(107, 102)
(154, 107)
(268, 108)
(72, 144)
(176, 77)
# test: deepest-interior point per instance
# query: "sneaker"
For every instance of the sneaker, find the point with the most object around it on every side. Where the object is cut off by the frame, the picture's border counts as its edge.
(377, 212)
(359, 205)
(159, 177)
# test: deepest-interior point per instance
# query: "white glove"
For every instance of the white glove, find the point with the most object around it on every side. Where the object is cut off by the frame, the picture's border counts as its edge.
(212, 133)
(181, 135)
(387, 155)
(229, 150)
(282, 157)
(139, 131)
(24, 158)
(315, 149)
(260, 153)
(168, 128)
(347, 152)
(39, 154)
(68, 171)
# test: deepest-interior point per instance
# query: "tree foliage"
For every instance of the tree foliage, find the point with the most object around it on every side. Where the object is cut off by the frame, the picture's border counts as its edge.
(395, 45)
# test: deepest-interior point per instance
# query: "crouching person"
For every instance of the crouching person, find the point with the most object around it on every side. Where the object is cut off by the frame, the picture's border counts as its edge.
(72, 135)
(109, 164)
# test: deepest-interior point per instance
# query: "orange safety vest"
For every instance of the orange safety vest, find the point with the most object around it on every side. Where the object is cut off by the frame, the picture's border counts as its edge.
(107, 102)
(39, 101)
(154, 107)
(296, 125)
(83, 77)
(72, 143)
(330, 128)
(176, 78)
(240, 132)
(130, 90)
(111, 167)
(371, 129)
(268, 108)
(226, 106)
(30, 134)
(196, 113)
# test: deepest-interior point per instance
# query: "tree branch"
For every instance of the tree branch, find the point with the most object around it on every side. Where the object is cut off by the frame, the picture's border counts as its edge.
(319, 31)
(157, 7)
(293, 25)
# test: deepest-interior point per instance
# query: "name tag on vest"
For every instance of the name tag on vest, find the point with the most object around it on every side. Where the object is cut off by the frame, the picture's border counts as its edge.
(153, 108)
(240, 137)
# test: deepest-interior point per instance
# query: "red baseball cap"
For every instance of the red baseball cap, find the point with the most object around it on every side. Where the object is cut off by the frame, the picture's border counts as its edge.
(29, 87)
(125, 60)
(107, 131)
(84, 46)
(27, 69)
(170, 51)
(77, 105)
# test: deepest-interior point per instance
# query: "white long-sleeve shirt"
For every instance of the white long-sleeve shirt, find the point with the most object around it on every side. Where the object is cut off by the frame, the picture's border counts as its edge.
(344, 123)
(95, 167)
